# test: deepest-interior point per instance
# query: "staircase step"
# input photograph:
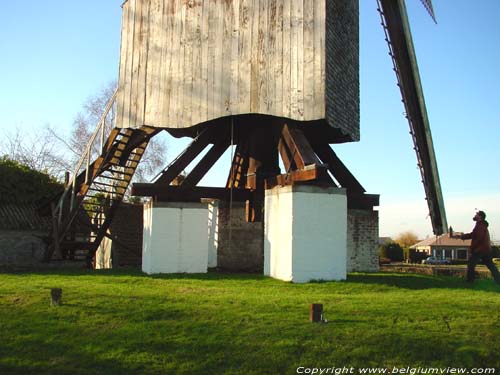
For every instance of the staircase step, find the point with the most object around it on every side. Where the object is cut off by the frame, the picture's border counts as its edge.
(109, 185)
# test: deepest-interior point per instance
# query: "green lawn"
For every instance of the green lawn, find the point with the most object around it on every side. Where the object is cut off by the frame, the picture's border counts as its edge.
(129, 323)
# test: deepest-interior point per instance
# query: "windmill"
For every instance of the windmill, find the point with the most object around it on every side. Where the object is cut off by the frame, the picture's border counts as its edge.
(275, 79)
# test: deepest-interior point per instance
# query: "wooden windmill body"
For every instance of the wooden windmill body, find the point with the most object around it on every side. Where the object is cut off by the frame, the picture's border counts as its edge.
(272, 77)
(275, 78)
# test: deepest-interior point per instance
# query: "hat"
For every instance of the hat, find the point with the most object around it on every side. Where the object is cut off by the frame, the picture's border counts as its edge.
(482, 214)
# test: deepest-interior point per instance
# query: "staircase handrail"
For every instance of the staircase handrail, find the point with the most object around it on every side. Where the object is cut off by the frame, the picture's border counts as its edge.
(100, 128)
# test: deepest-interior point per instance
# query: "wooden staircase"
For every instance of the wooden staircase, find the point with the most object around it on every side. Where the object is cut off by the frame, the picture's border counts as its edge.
(84, 212)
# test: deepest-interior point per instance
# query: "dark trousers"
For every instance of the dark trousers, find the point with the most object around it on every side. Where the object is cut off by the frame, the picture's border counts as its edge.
(474, 259)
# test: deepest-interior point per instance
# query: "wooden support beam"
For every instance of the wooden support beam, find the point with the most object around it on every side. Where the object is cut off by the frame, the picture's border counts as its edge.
(206, 163)
(239, 166)
(189, 194)
(310, 173)
(299, 147)
(338, 169)
(254, 206)
(363, 201)
(186, 157)
(286, 156)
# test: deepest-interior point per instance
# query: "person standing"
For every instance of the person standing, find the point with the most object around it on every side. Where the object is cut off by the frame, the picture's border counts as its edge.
(480, 248)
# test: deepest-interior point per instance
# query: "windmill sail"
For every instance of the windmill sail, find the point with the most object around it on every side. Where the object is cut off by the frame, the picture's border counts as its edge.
(430, 9)
(398, 35)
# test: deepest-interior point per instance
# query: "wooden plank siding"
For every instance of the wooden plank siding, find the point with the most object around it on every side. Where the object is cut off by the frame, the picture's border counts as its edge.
(186, 62)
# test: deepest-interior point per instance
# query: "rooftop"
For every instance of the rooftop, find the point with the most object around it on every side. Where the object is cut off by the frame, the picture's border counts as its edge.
(443, 240)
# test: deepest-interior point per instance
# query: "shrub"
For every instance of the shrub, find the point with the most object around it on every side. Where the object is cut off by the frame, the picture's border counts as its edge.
(417, 256)
(393, 251)
(20, 183)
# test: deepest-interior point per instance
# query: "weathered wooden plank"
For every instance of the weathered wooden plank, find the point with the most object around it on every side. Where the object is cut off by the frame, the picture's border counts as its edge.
(234, 79)
(153, 63)
(254, 74)
(287, 73)
(128, 76)
(123, 64)
(271, 56)
(278, 60)
(308, 66)
(189, 35)
(297, 59)
(227, 15)
(203, 100)
(262, 57)
(167, 63)
(181, 78)
(176, 69)
(219, 108)
(245, 55)
(196, 63)
(212, 25)
(142, 64)
(319, 57)
(135, 63)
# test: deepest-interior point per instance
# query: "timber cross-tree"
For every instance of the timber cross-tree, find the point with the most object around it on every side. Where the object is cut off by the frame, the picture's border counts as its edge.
(274, 78)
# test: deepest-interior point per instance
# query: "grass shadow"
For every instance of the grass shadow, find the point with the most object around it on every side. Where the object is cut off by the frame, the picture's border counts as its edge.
(137, 272)
(420, 282)
(399, 280)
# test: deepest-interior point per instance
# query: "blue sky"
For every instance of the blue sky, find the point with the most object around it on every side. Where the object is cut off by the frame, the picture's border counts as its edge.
(57, 53)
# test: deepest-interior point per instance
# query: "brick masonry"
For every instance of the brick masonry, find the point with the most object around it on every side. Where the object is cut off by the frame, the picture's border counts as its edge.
(22, 248)
(240, 245)
(362, 241)
(126, 250)
(342, 66)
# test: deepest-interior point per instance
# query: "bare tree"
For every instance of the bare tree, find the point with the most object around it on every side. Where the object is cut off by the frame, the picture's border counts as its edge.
(85, 124)
(406, 239)
(38, 149)
(49, 150)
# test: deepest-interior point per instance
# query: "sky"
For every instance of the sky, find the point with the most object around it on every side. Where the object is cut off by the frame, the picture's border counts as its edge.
(57, 53)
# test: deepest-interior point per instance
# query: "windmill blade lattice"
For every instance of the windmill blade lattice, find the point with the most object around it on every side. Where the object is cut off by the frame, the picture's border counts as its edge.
(430, 9)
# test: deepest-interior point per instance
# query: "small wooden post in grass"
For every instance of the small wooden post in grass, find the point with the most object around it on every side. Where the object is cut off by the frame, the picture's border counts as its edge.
(316, 312)
(56, 296)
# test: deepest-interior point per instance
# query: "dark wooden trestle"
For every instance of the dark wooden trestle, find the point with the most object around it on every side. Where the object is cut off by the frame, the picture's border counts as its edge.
(255, 166)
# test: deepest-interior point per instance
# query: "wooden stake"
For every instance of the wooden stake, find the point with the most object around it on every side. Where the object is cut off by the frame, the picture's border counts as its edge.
(316, 312)
(56, 296)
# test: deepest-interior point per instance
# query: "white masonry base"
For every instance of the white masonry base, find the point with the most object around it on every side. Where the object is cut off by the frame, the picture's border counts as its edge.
(305, 233)
(175, 238)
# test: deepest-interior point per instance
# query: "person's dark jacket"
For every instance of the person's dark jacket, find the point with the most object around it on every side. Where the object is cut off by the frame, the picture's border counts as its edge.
(480, 238)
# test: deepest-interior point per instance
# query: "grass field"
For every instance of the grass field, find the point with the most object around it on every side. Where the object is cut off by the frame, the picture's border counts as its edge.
(130, 323)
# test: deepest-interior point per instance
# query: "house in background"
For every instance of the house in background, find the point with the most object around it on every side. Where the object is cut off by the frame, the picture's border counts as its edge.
(444, 247)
